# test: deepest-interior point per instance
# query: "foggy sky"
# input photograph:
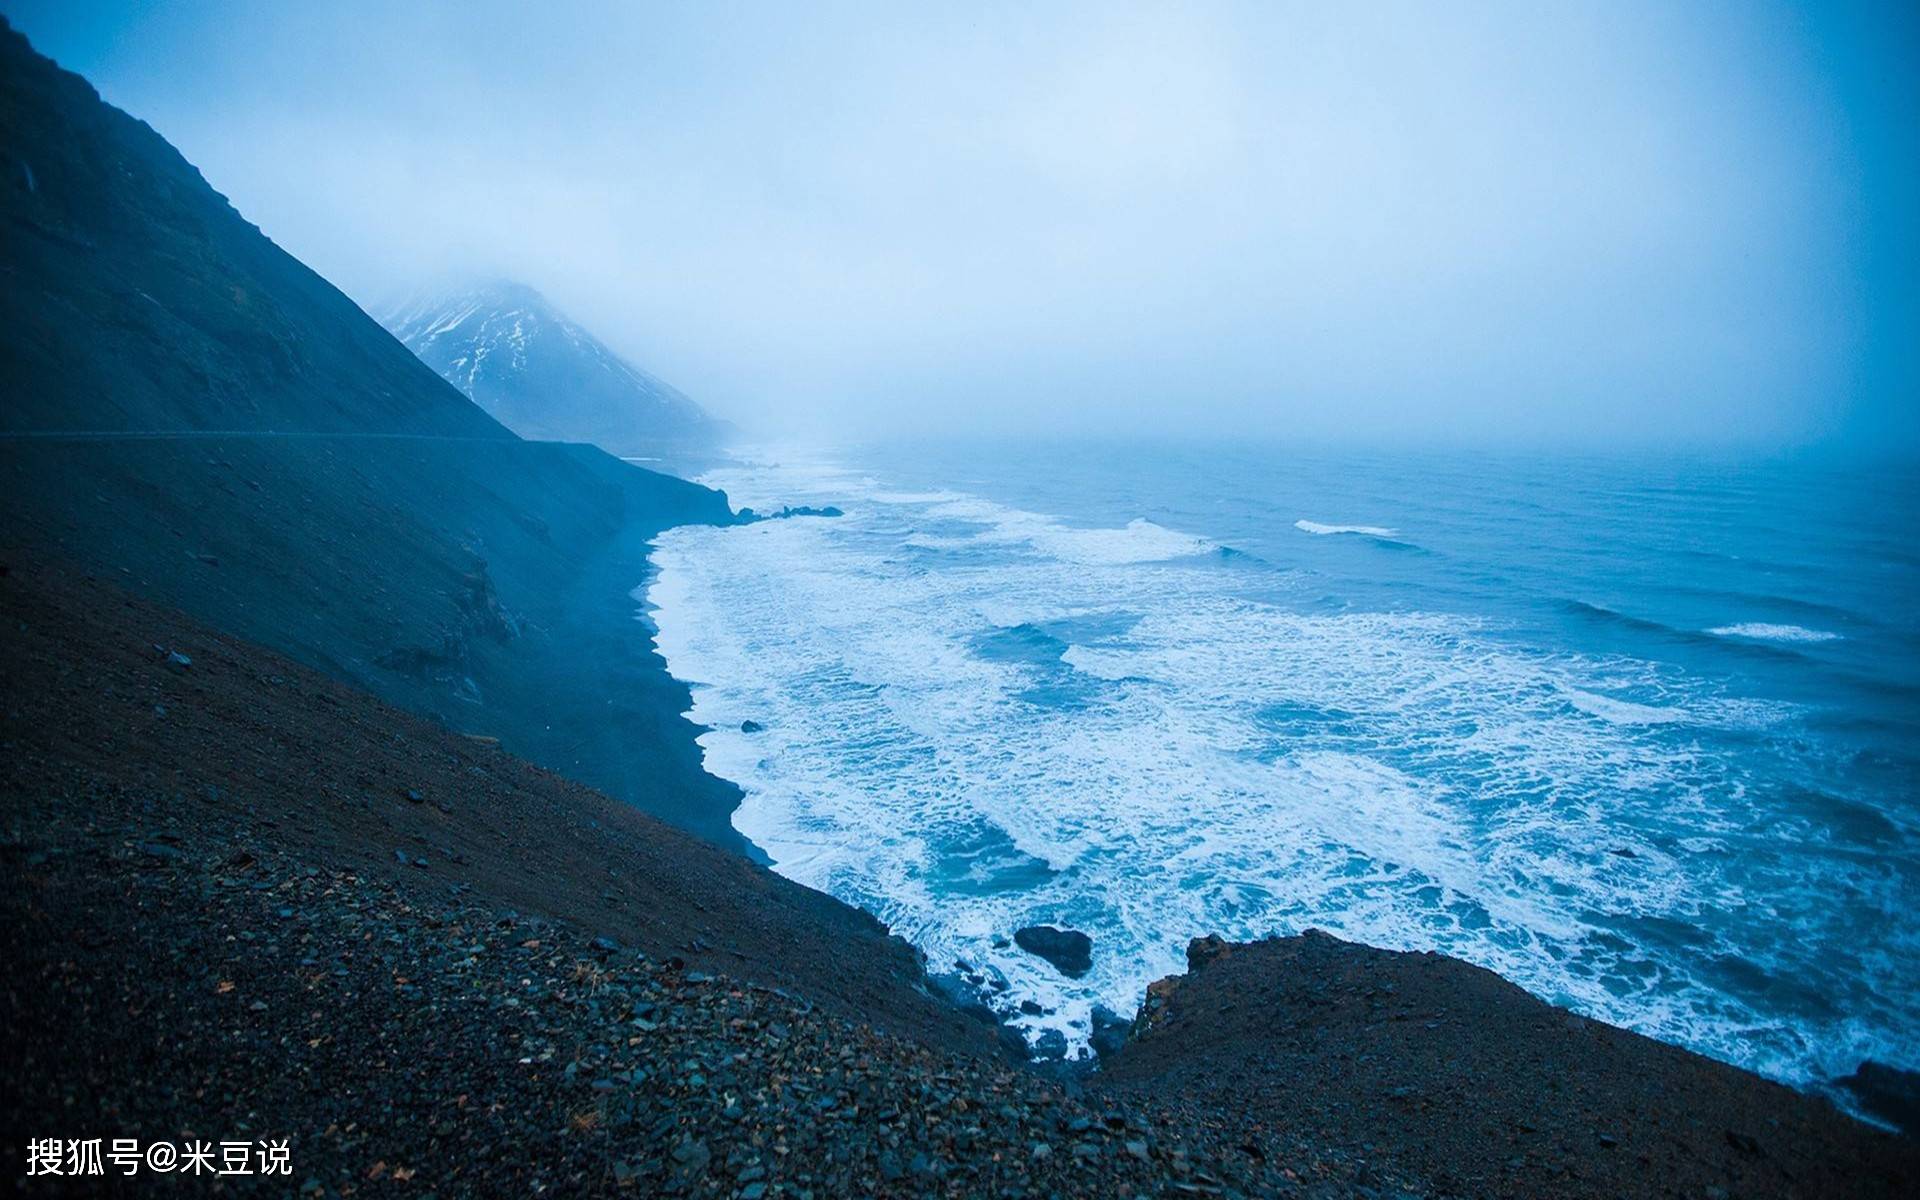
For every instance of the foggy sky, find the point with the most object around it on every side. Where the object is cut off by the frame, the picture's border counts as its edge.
(1678, 221)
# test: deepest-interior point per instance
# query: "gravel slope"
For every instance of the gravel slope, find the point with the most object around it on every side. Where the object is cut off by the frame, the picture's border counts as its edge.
(210, 932)
(244, 900)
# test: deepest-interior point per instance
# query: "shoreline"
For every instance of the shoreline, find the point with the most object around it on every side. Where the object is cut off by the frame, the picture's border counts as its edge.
(988, 990)
(254, 811)
(425, 875)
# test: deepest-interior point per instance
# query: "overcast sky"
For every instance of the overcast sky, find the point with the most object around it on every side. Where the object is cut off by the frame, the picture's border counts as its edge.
(1684, 220)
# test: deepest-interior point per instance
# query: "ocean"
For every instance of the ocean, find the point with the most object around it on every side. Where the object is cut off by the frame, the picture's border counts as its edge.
(1636, 732)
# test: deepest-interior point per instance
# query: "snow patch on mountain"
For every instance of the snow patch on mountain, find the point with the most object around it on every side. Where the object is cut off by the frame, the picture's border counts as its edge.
(541, 374)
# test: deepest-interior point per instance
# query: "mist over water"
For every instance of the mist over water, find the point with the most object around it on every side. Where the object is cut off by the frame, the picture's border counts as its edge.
(1637, 733)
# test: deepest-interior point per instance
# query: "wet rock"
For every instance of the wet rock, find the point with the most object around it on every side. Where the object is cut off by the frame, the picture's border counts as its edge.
(1069, 950)
(1203, 950)
(1110, 1031)
(792, 510)
(1051, 1045)
(1889, 1093)
(1013, 1045)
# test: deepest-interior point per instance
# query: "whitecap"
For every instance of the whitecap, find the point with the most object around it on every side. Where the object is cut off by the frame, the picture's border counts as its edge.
(1765, 631)
(1622, 712)
(1139, 541)
(1374, 531)
(1227, 764)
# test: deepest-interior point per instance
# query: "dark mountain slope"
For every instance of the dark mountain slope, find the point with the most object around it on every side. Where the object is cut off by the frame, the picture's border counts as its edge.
(257, 744)
(114, 240)
(321, 491)
(542, 375)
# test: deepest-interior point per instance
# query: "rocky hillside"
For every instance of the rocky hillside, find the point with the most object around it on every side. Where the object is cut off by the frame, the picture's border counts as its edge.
(542, 375)
(1450, 1074)
(194, 412)
(243, 900)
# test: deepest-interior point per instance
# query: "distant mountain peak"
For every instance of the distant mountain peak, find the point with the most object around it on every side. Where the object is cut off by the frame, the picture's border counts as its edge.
(540, 373)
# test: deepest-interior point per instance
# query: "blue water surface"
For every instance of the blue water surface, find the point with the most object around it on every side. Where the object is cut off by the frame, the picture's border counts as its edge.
(1637, 731)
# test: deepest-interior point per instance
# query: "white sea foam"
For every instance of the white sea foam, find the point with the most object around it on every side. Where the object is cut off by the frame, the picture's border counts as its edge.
(940, 497)
(1622, 712)
(1191, 760)
(1764, 631)
(1315, 527)
(1138, 542)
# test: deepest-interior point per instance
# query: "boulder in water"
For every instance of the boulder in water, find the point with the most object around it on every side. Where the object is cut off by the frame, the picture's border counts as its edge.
(1069, 950)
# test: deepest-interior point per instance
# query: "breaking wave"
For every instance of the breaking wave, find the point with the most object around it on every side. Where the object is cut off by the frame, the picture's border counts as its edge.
(1372, 531)
(1763, 631)
(973, 717)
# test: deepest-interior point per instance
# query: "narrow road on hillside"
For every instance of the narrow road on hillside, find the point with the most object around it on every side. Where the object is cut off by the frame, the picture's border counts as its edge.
(108, 435)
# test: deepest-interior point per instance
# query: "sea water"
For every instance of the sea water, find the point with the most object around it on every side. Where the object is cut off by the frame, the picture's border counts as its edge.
(1638, 733)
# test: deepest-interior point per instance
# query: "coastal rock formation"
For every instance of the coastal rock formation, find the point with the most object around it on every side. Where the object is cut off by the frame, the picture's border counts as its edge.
(1203, 950)
(792, 510)
(1889, 1093)
(1447, 1072)
(1109, 1031)
(1069, 950)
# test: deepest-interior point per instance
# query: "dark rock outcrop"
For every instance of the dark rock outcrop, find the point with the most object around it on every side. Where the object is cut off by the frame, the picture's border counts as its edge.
(1109, 1032)
(1889, 1093)
(1446, 1072)
(791, 510)
(1069, 950)
(1203, 950)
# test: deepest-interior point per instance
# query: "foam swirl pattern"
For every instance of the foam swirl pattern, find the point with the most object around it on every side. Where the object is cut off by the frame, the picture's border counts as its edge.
(967, 716)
